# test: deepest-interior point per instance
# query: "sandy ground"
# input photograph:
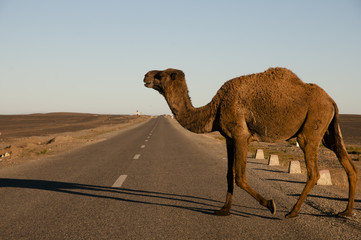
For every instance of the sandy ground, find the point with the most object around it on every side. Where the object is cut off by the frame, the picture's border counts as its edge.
(30, 137)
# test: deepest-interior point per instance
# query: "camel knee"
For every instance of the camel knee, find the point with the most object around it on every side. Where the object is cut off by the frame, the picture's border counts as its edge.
(313, 177)
(230, 176)
(242, 183)
(352, 175)
(350, 168)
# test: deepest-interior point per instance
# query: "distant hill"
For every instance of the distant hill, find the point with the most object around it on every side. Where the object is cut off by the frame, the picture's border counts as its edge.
(50, 123)
(41, 124)
(351, 128)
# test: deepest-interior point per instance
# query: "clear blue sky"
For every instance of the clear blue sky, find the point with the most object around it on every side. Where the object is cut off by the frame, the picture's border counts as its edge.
(91, 56)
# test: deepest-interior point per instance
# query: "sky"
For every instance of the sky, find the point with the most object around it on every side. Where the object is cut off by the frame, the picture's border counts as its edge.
(91, 56)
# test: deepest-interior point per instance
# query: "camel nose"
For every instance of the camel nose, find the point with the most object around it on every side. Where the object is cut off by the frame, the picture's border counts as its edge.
(147, 82)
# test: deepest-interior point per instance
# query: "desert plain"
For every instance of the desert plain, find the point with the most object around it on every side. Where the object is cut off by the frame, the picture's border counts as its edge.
(30, 137)
(33, 136)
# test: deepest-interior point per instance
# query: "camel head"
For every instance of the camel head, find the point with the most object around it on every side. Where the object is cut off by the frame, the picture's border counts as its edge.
(163, 81)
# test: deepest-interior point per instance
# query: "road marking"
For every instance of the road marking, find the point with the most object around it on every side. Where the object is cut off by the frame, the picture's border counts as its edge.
(120, 181)
(136, 156)
(143, 146)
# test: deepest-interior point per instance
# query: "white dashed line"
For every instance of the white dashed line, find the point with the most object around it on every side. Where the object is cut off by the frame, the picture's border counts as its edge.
(120, 181)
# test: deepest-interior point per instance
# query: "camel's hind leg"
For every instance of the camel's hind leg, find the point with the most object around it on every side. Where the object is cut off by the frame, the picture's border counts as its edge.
(313, 130)
(310, 152)
(333, 140)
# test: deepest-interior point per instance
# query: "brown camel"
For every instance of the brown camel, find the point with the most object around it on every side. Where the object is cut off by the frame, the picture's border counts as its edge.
(271, 106)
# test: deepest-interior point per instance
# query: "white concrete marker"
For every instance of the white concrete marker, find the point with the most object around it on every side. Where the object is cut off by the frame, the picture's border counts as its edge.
(120, 181)
(143, 146)
(273, 160)
(325, 178)
(259, 154)
(136, 156)
(294, 167)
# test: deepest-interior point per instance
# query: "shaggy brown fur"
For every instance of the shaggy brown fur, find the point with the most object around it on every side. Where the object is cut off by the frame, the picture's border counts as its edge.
(271, 106)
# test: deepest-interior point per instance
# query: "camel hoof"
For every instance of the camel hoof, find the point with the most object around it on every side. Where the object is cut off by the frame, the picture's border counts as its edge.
(291, 215)
(271, 206)
(222, 212)
(345, 214)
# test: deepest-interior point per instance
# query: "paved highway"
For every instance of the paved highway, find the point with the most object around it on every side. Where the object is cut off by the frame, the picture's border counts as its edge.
(159, 181)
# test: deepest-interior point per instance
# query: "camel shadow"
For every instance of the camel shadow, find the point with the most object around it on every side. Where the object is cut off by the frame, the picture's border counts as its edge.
(282, 180)
(252, 161)
(325, 197)
(200, 204)
(269, 170)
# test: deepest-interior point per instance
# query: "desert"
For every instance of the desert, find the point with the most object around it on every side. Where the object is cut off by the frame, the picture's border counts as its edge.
(33, 136)
(30, 137)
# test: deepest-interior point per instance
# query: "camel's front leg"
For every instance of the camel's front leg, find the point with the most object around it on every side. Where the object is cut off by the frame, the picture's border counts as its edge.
(224, 211)
(241, 147)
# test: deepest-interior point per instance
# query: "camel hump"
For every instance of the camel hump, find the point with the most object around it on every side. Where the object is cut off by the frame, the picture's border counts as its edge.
(279, 71)
(279, 74)
(270, 77)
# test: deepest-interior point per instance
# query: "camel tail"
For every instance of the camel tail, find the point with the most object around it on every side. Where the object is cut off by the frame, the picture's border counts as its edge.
(333, 137)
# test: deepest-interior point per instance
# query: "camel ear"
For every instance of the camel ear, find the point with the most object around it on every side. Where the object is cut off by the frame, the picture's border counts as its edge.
(176, 74)
(173, 76)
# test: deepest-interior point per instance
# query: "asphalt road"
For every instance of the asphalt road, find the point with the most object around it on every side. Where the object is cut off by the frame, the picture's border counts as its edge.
(159, 181)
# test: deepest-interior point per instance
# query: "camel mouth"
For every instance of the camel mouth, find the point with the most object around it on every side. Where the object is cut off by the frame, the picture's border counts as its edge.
(156, 87)
(153, 83)
(148, 83)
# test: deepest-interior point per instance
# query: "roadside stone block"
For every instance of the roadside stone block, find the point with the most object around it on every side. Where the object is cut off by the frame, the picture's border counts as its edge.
(325, 178)
(259, 154)
(294, 167)
(273, 160)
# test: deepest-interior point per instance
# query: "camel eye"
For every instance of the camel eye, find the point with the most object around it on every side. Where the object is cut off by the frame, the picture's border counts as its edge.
(158, 76)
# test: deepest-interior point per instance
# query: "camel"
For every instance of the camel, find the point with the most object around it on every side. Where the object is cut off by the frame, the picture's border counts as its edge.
(271, 106)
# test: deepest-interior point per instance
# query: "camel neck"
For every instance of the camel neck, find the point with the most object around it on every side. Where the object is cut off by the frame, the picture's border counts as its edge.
(198, 120)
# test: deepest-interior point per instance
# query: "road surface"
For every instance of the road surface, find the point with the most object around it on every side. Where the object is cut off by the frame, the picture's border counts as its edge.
(159, 181)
